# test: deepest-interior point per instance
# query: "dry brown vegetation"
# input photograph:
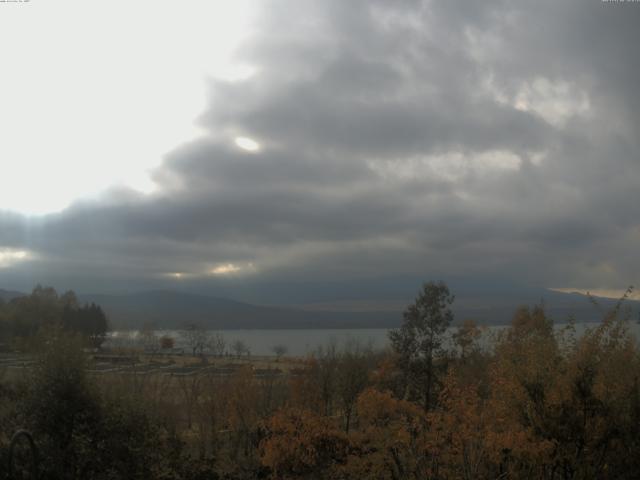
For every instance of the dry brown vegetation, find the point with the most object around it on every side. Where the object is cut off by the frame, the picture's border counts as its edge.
(539, 403)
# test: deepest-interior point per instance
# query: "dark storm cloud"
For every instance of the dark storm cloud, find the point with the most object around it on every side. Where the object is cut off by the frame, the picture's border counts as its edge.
(399, 139)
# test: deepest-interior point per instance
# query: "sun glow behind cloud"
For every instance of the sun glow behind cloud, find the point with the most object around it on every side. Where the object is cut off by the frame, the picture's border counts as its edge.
(232, 269)
(247, 144)
(10, 256)
(87, 108)
(216, 270)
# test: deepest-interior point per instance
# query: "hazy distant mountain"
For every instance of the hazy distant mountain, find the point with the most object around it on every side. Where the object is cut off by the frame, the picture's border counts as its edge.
(7, 295)
(498, 308)
(172, 309)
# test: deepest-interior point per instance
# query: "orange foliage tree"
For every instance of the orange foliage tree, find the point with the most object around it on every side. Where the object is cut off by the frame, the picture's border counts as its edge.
(392, 442)
(300, 442)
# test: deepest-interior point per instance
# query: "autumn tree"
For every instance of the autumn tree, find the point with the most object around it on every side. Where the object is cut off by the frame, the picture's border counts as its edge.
(30, 312)
(242, 392)
(44, 308)
(326, 363)
(470, 359)
(69, 299)
(305, 389)
(82, 431)
(392, 442)
(466, 337)
(352, 378)
(210, 413)
(301, 444)
(62, 404)
(530, 322)
(525, 386)
(273, 391)
(418, 341)
(387, 377)
(191, 388)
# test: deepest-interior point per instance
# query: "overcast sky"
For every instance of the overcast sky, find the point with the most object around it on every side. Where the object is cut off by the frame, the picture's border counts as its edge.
(283, 146)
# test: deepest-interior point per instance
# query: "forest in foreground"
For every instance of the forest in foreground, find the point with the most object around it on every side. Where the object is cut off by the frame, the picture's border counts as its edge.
(536, 403)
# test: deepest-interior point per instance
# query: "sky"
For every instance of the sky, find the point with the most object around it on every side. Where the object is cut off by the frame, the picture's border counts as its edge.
(304, 151)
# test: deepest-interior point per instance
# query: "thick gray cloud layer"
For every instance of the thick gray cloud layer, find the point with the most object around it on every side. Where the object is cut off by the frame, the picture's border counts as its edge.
(493, 140)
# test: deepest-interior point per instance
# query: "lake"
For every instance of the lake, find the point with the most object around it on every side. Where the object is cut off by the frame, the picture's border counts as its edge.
(300, 342)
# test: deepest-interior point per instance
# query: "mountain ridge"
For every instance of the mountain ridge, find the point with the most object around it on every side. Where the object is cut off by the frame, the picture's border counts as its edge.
(175, 309)
(168, 308)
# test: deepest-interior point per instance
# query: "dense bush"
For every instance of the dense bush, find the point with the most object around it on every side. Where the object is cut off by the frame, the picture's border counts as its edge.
(22, 317)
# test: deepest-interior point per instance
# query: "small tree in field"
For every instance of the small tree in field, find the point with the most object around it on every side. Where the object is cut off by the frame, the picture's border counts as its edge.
(196, 338)
(239, 347)
(217, 344)
(419, 340)
(279, 351)
(167, 342)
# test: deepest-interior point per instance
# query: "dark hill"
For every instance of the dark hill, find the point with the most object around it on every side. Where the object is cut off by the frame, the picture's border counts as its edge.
(173, 309)
(7, 295)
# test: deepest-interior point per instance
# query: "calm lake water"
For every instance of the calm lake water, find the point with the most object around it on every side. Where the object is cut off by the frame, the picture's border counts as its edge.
(302, 342)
